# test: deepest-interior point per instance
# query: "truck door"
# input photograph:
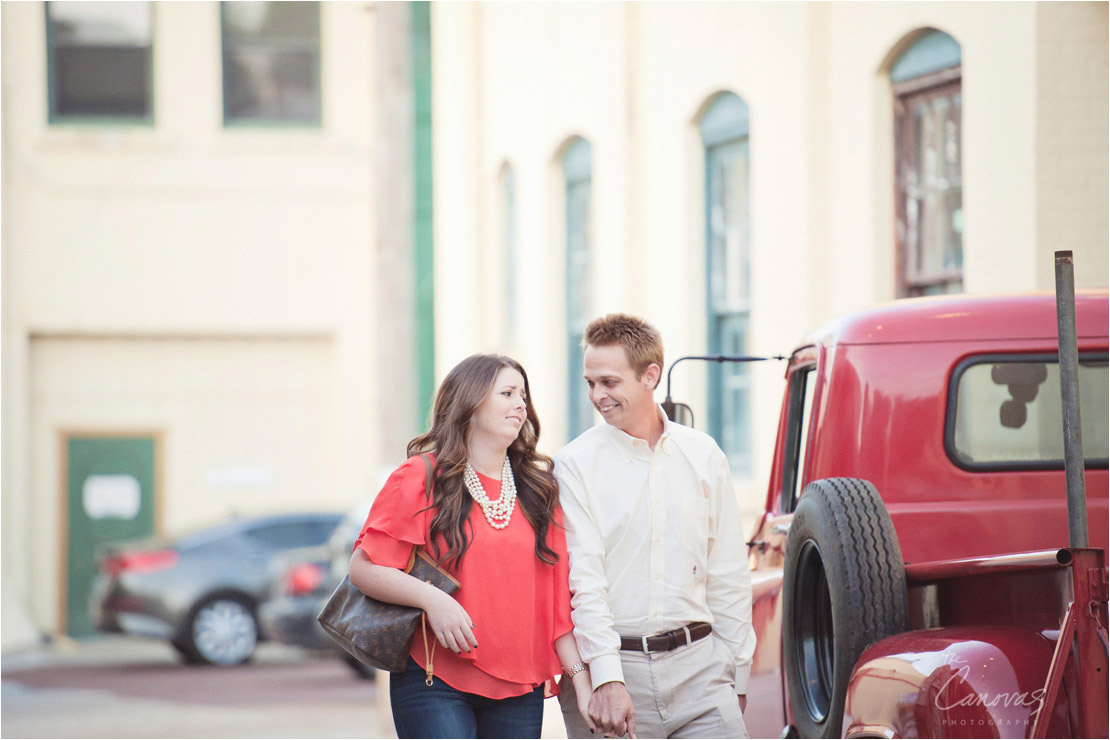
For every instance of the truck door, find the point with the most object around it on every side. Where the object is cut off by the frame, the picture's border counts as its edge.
(766, 713)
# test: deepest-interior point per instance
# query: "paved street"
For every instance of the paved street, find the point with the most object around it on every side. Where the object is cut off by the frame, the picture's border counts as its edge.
(117, 687)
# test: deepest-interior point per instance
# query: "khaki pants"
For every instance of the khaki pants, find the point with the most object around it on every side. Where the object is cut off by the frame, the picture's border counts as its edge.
(686, 692)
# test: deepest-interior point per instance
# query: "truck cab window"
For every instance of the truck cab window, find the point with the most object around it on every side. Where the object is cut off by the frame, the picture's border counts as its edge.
(800, 406)
(1004, 412)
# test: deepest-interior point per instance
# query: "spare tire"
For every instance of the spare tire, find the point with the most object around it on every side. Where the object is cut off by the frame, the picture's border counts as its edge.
(844, 588)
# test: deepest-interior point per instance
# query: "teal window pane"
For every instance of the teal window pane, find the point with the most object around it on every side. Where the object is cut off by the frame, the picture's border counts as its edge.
(726, 120)
(99, 63)
(932, 52)
(271, 61)
(732, 392)
(577, 171)
(728, 276)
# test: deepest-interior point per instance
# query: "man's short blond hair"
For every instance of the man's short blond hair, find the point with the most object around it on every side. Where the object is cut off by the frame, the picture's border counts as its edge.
(641, 341)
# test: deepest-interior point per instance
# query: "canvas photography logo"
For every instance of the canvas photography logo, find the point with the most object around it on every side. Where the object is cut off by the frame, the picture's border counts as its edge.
(954, 695)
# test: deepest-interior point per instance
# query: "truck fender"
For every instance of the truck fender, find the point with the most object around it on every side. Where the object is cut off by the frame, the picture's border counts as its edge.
(972, 681)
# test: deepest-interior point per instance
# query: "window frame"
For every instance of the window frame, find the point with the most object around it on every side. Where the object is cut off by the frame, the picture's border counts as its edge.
(577, 166)
(726, 124)
(268, 122)
(512, 256)
(943, 83)
(952, 397)
(805, 364)
(53, 118)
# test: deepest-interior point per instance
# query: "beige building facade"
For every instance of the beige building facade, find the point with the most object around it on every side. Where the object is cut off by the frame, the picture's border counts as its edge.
(225, 289)
(246, 297)
(818, 221)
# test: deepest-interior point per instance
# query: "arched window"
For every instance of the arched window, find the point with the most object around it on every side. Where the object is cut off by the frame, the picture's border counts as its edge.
(508, 234)
(724, 133)
(577, 168)
(927, 101)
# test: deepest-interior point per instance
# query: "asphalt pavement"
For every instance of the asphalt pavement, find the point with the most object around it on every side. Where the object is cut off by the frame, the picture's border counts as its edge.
(119, 687)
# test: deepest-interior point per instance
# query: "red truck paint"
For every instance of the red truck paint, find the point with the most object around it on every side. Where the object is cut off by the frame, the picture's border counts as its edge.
(879, 413)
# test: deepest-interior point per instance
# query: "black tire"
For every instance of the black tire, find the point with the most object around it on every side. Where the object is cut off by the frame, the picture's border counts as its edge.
(844, 588)
(183, 652)
(360, 669)
(221, 630)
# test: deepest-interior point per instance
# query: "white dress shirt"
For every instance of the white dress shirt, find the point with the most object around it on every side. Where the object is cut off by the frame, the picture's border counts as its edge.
(655, 543)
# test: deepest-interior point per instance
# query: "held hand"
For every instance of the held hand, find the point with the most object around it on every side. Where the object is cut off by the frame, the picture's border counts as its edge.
(611, 709)
(583, 691)
(450, 622)
(743, 702)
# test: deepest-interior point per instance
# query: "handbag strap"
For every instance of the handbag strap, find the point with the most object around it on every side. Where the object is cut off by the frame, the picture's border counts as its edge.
(428, 654)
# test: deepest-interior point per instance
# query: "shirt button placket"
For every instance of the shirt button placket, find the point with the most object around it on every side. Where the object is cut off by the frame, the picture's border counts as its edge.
(658, 551)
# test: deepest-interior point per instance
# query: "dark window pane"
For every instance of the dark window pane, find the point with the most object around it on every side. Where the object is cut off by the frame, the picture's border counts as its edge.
(930, 191)
(929, 161)
(271, 61)
(100, 59)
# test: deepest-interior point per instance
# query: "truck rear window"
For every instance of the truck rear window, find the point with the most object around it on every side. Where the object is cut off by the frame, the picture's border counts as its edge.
(1004, 412)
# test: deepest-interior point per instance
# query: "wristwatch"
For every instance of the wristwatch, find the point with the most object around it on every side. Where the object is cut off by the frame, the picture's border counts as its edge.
(576, 668)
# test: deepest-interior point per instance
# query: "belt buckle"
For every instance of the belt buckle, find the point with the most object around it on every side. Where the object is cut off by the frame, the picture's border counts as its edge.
(643, 643)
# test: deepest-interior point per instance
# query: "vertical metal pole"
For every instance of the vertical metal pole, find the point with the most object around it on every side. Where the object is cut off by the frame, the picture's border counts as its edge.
(1069, 394)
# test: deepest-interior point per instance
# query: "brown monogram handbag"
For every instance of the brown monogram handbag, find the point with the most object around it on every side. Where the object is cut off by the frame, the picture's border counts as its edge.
(376, 633)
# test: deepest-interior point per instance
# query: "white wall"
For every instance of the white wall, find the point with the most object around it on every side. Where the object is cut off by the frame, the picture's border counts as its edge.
(515, 80)
(1073, 145)
(138, 259)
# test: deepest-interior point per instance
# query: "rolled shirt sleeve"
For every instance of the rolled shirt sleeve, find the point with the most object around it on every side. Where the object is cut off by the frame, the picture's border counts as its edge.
(597, 639)
(729, 584)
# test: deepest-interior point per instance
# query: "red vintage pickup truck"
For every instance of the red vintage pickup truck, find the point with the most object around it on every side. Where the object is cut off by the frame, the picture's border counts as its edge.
(912, 573)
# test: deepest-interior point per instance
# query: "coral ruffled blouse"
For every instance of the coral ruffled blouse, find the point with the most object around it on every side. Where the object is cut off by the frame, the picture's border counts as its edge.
(519, 604)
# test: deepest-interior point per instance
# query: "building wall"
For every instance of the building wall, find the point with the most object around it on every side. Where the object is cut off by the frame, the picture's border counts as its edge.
(520, 79)
(1072, 143)
(218, 284)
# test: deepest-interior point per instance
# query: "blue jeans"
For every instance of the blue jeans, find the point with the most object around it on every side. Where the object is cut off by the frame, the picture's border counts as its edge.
(441, 711)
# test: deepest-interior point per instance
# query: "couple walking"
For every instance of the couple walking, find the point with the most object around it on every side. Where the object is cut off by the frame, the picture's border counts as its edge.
(619, 565)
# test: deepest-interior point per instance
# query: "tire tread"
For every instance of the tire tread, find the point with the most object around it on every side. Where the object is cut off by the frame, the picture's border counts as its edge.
(859, 548)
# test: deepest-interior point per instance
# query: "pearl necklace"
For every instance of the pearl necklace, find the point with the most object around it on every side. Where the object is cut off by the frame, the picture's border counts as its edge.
(497, 512)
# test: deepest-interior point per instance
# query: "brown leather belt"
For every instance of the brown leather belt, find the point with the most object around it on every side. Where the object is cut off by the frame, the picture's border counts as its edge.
(665, 641)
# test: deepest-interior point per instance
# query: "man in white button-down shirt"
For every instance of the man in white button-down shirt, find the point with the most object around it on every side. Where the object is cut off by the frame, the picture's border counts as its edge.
(656, 553)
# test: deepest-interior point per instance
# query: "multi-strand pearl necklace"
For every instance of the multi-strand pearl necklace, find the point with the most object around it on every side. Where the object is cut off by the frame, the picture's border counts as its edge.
(497, 512)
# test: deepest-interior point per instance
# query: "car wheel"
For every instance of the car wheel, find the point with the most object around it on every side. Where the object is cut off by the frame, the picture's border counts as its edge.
(184, 652)
(221, 631)
(360, 669)
(844, 588)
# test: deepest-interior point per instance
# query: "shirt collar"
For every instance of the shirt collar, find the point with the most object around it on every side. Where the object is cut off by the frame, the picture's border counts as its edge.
(630, 446)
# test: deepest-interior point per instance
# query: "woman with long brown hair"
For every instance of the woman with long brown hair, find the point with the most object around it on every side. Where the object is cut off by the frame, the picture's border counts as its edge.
(508, 626)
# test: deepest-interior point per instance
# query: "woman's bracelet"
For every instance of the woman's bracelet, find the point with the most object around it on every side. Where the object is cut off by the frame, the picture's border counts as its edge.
(576, 668)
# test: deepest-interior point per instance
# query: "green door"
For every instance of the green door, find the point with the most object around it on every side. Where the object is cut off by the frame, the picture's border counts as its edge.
(110, 497)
